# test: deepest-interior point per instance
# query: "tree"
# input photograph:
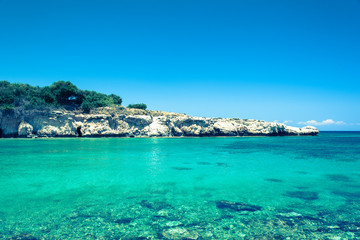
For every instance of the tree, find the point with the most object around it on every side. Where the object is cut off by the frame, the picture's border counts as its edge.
(66, 93)
(7, 96)
(97, 99)
(47, 95)
(116, 99)
(19, 96)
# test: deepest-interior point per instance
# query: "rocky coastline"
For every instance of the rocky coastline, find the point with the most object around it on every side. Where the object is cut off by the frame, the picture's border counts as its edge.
(125, 122)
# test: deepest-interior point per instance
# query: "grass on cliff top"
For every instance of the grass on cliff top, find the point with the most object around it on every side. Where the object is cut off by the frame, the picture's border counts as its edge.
(113, 110)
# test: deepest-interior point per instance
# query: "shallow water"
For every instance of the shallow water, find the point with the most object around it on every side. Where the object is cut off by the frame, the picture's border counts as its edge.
(153, 188)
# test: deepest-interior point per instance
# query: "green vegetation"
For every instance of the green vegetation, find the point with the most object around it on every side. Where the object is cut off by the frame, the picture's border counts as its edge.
(138, 106)
(61, 94)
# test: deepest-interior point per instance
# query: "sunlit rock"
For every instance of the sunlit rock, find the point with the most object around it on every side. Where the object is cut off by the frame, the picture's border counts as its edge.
(25, 129)
(122, 122)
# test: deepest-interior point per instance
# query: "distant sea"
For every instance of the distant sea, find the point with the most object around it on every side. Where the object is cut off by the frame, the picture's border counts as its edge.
(304, 187)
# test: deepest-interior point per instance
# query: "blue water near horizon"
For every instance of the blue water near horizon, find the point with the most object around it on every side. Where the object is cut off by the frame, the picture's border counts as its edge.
(308, 187)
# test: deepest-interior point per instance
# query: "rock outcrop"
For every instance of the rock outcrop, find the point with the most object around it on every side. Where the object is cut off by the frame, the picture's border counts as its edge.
(124, 122)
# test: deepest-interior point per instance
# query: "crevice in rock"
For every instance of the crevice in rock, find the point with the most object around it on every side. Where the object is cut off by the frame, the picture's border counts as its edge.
(78, 130)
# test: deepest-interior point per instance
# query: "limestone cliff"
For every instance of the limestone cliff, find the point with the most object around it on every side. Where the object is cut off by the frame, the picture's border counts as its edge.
(125, 122)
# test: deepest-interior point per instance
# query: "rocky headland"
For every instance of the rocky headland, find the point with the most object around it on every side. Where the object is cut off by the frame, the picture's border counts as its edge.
(127, 122)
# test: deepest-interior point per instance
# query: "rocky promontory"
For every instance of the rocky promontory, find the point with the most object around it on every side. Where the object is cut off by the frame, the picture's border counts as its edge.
(126, 122)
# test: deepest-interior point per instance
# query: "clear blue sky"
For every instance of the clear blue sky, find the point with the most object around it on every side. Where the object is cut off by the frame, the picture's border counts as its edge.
(289, 60)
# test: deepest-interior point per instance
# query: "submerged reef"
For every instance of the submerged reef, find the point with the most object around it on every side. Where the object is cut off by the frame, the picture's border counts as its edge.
(157, 219)
(119, 121)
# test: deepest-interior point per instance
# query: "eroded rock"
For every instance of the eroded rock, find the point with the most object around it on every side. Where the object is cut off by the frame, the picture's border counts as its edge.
(25, 129)
(123, 122)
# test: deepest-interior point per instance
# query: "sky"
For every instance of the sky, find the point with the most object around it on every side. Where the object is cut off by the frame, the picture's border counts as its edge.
(291, 61)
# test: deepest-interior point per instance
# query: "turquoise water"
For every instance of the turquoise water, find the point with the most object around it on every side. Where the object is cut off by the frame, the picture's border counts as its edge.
(154, 188)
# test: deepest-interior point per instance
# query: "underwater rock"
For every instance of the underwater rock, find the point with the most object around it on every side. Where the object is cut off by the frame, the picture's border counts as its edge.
(221, 164)
(349, 226)
(305, 195)
(289, 215)
(338, 178)
(237, 206)
(296, 217)
(162, 213)
(124, 220)
(182, 168)
(348, 195)
(23, 236)
(179, 233)
(203, 163)
(273, 180)
(173, 224)
(154, 205)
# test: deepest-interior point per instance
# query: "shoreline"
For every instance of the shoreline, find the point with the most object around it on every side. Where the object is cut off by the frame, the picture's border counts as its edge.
(158, 137)
(125, 122)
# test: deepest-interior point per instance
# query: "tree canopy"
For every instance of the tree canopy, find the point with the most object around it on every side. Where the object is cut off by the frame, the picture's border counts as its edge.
(60, 94)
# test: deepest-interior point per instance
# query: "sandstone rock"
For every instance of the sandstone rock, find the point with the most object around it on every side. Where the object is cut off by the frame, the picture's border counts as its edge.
(207, 131)
(9, 125)
(120, 121)
(292, 130)
(97, 128)
(177, 131)
(193, 130)
(309, 130)
(79, 117)
(49, 130)
(138, 120)
(159, 127)
(92, 117)
(226, 128)
(25, 129)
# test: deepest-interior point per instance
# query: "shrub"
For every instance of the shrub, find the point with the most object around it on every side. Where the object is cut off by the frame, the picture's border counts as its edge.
(138, 106)
(86, 106)
(97, 99)
(47, 95)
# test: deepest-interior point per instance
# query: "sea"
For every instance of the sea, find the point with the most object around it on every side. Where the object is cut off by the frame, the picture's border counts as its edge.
(300, 187)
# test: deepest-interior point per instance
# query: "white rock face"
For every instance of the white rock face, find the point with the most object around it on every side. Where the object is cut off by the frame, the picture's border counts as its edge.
(226, 127)
(153, 124)
(25, 129)
(308, 130)
(159, 127)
